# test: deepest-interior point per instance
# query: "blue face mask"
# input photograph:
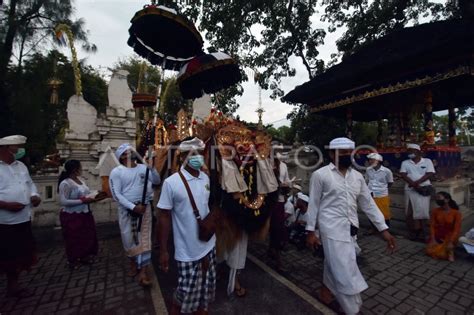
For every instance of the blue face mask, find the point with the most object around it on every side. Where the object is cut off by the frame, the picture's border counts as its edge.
(412, 156)
(196, 162)
(20, 153)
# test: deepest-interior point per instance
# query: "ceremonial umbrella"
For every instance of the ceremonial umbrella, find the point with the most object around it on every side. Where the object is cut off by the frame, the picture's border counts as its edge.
(208, 73)
(163, 36)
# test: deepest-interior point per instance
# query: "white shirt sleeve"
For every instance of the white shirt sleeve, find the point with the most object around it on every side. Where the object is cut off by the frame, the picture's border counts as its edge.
(289, 208)
(32, 187)
(429, 166)
(284, 176)
(389, 176)
(64, 195)
(367, 204)
(166, 197)
(315, 193)
(155, 177)
(403, 167)
(116, 189)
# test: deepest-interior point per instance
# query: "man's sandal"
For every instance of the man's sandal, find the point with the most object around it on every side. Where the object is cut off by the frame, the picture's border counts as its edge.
(240, 291)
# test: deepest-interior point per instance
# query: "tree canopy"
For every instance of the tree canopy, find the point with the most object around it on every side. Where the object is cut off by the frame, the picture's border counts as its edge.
(27, 28)
(31, 112)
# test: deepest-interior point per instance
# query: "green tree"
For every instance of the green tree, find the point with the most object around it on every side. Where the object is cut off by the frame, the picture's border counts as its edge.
(172, 100)
(26, 27)
(31, 113)
(314, 129)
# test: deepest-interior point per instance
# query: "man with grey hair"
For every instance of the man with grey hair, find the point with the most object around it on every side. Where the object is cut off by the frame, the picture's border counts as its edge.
(18, 194)
(336, 192)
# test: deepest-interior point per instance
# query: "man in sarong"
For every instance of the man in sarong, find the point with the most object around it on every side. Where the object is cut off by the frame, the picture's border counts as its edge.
(379, 178)
(18, 194)
(335, 193)
(127, 183)
(417, 172)
(196, 259)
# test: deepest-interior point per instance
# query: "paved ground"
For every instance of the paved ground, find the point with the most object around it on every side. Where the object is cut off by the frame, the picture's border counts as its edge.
(266, 295)
(407, 282)
(102, 288)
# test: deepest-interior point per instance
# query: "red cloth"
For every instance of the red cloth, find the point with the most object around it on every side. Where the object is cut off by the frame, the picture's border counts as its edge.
(80, 236)
(17, 247)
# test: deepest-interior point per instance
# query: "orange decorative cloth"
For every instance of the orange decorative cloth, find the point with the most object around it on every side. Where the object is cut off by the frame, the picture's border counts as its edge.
(383, 203)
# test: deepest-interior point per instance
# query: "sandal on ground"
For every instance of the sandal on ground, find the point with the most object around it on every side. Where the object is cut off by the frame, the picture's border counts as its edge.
(240, 291)
(325, 300)
(145, 282)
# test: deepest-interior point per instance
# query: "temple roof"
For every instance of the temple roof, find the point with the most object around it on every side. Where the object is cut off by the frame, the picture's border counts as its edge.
(393, 69)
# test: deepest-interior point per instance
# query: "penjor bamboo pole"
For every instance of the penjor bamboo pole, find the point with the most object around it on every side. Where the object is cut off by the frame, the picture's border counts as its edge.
(151, 146)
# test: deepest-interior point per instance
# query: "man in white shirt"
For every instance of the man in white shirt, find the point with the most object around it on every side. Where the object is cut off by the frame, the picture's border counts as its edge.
(417, 172)
(379, 180)
(18, 194)
(196, 259)
(297, 221)
(336, 192)
(127, 183)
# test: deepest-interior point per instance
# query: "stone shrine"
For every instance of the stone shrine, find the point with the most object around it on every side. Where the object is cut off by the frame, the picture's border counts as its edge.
(90, 138)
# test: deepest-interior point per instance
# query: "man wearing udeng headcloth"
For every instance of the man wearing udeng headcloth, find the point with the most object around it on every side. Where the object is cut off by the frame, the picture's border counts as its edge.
(17, 195)
(335, 193)
(127, 182)
(184, 200)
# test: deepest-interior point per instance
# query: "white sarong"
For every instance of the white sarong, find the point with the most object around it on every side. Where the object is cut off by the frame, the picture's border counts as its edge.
(342, 275)
(419, 204)
(235, 259)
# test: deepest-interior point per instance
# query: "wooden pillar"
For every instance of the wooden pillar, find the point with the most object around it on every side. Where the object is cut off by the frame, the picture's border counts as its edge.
(452, 126)
(428, 118)
(380, 142)
(349, 123)
(398, 130)
(392, 135)
(405, 129)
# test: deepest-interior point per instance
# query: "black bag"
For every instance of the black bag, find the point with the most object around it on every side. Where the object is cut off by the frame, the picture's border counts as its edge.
(426, 190)
(354, 230)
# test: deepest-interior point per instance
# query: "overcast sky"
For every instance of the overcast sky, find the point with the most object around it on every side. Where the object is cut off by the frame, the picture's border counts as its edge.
(108, 22)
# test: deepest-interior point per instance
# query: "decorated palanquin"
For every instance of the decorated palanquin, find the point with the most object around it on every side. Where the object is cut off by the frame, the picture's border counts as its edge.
(394, 79)
(243, 183)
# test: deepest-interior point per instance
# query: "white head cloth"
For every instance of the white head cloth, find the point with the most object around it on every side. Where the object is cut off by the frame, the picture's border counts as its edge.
(375, 156)
(413, 146)
(13, 140)
(195, 144)
(341, 143)
(303, 197)
(121, 150)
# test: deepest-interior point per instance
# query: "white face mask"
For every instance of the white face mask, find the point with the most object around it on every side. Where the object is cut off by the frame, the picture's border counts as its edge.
(412, 156)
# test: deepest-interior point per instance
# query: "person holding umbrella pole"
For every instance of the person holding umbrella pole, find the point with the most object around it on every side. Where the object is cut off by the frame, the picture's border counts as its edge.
(131, 186)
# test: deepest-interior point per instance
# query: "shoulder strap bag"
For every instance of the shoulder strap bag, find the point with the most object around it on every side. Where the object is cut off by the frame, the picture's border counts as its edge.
(206, 226)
